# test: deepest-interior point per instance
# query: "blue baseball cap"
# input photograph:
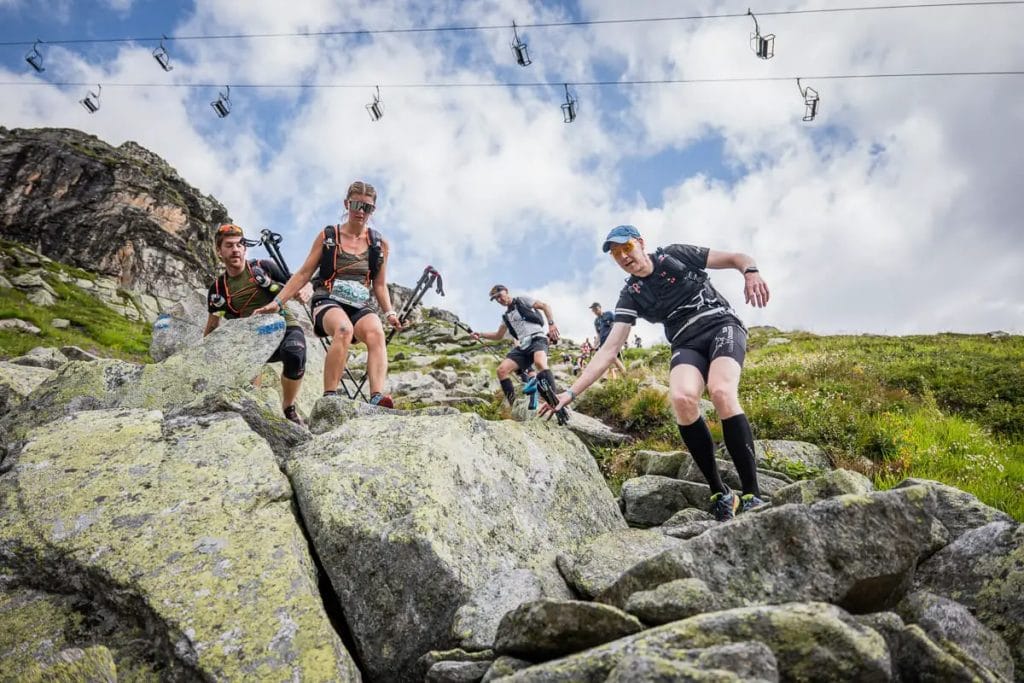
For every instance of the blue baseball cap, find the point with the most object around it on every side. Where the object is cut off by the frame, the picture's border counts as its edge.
(620, 235)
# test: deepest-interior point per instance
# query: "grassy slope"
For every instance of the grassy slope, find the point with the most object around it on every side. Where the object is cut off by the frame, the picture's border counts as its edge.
(946, 407)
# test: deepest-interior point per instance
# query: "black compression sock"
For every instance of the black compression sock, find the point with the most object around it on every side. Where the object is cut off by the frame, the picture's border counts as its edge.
(546, 374)
(697, 438)
(509, 389)
(739, 440)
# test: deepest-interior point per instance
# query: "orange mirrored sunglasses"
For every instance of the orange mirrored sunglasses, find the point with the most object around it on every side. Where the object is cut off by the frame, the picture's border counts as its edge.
(620, 249)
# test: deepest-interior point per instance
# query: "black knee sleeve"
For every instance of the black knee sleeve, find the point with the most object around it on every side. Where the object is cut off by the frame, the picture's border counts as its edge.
(293, 354)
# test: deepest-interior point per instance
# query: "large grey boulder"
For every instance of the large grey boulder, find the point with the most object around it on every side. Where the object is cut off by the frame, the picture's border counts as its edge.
(19, 325)
(331, 412)
(651, 500)
(952, 627)
(800, 553)
(809, 641)
(958, 510)
(172, 334)
(184, 527)
(17, 382)
(832, 483)
(984, 571)
(601, 561)
(416, 386)
(546, 629)
(42, 357)
(749, 662)
(476, 622)
(661, 464)
(777, 452)
(412, 514)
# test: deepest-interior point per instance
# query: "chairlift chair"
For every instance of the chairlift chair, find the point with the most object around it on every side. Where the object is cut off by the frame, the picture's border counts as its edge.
(763, 46)
(376, 108)
(91, 101)
(222, 105)
(35, 58)
(162, 57)
(811, 100)
(569, 106)
(519, 48)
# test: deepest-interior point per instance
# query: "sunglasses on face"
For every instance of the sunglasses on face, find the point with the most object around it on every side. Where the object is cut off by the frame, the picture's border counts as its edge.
(365, 207)
(622, 249)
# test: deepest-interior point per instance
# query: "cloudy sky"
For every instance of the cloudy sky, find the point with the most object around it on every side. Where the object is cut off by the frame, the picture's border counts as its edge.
(898, 210)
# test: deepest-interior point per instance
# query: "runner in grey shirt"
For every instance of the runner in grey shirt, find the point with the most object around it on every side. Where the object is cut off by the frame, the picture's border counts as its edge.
(523, 320)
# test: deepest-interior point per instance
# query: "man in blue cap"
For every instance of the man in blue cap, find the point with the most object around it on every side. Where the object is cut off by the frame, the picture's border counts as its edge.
(671, 286)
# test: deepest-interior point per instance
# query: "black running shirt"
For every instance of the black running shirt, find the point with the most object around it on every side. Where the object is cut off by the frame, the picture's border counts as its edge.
(678, 294)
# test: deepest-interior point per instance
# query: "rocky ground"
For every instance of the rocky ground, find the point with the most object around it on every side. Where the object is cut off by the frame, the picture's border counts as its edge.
(164, 522)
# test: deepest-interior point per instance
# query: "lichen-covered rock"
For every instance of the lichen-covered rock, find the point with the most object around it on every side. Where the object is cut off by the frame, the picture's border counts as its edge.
(443, 502)
(688, 530)
(767, 481)
(773, 452)
(661, 464)
(76, 353)
(650, 500)
(93, 664)
(184, 527)
(952, 627)
(331, 412)
(171, 335)
(984, 571)
(18, 325)
(548, 628)
(675, 600)
(686, 516)
(810, 642)
(457, 672)
(958, 510)
(17, 382)
(916, 657)
(504, 666)
(476, 622)
(602, 560)
(42, 357)
(33, 630)
(750, 662)
(832, 483)
(800, 553)
(229, 357)
(427, 662)
(593, 432)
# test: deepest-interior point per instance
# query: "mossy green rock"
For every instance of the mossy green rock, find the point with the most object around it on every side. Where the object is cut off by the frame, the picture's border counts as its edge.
(184, 527)
(17, 382)
(953, 628)
(810, 641)
(984, 571)
(331, 412)
(855, 551)
(650, 500)
(94, 664)
(411, 514)
(602, 560)
(33, 628)
(832, 483)
(545, 629)
(675, 600)
(773, 452)
(958, 510)
(661, 464)
(750, 662)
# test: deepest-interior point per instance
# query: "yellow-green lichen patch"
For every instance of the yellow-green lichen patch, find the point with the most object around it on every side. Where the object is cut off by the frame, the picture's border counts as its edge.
(194, 518)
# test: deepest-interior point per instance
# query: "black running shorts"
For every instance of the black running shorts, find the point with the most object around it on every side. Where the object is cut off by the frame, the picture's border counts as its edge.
(524, 357)
(722, 340)
(322, 305)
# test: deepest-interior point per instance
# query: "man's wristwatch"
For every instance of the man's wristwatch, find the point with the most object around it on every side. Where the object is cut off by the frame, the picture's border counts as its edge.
(572, 395)
(751, 269)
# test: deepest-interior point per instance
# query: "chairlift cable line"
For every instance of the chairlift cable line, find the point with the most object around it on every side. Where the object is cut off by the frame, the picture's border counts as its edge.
(530, 84)
(496, 27)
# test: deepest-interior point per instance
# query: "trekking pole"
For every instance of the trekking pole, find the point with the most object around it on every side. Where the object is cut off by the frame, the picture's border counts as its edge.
(523, 375)
(271, 241)
(428, 279)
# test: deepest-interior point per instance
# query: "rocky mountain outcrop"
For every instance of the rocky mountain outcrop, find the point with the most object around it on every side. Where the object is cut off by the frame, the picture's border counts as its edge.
(121, 212)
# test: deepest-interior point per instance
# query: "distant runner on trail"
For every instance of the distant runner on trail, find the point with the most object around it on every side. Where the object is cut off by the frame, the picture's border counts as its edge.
(350, 262)
(671, 286)
(603, 321)
(243, 287)
(523, 320)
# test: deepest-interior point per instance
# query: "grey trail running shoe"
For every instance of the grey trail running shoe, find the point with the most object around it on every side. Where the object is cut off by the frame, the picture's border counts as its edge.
(724, 506)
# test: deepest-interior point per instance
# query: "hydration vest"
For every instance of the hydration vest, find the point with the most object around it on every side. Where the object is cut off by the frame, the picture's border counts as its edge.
(527, 313)
(329, 257)
(257, 274)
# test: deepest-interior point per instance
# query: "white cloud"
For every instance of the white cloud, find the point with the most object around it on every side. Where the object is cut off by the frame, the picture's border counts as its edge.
(897, 211)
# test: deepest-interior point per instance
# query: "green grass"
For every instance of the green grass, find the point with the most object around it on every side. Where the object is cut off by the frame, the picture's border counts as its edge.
(94, 327)
(948, 407)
